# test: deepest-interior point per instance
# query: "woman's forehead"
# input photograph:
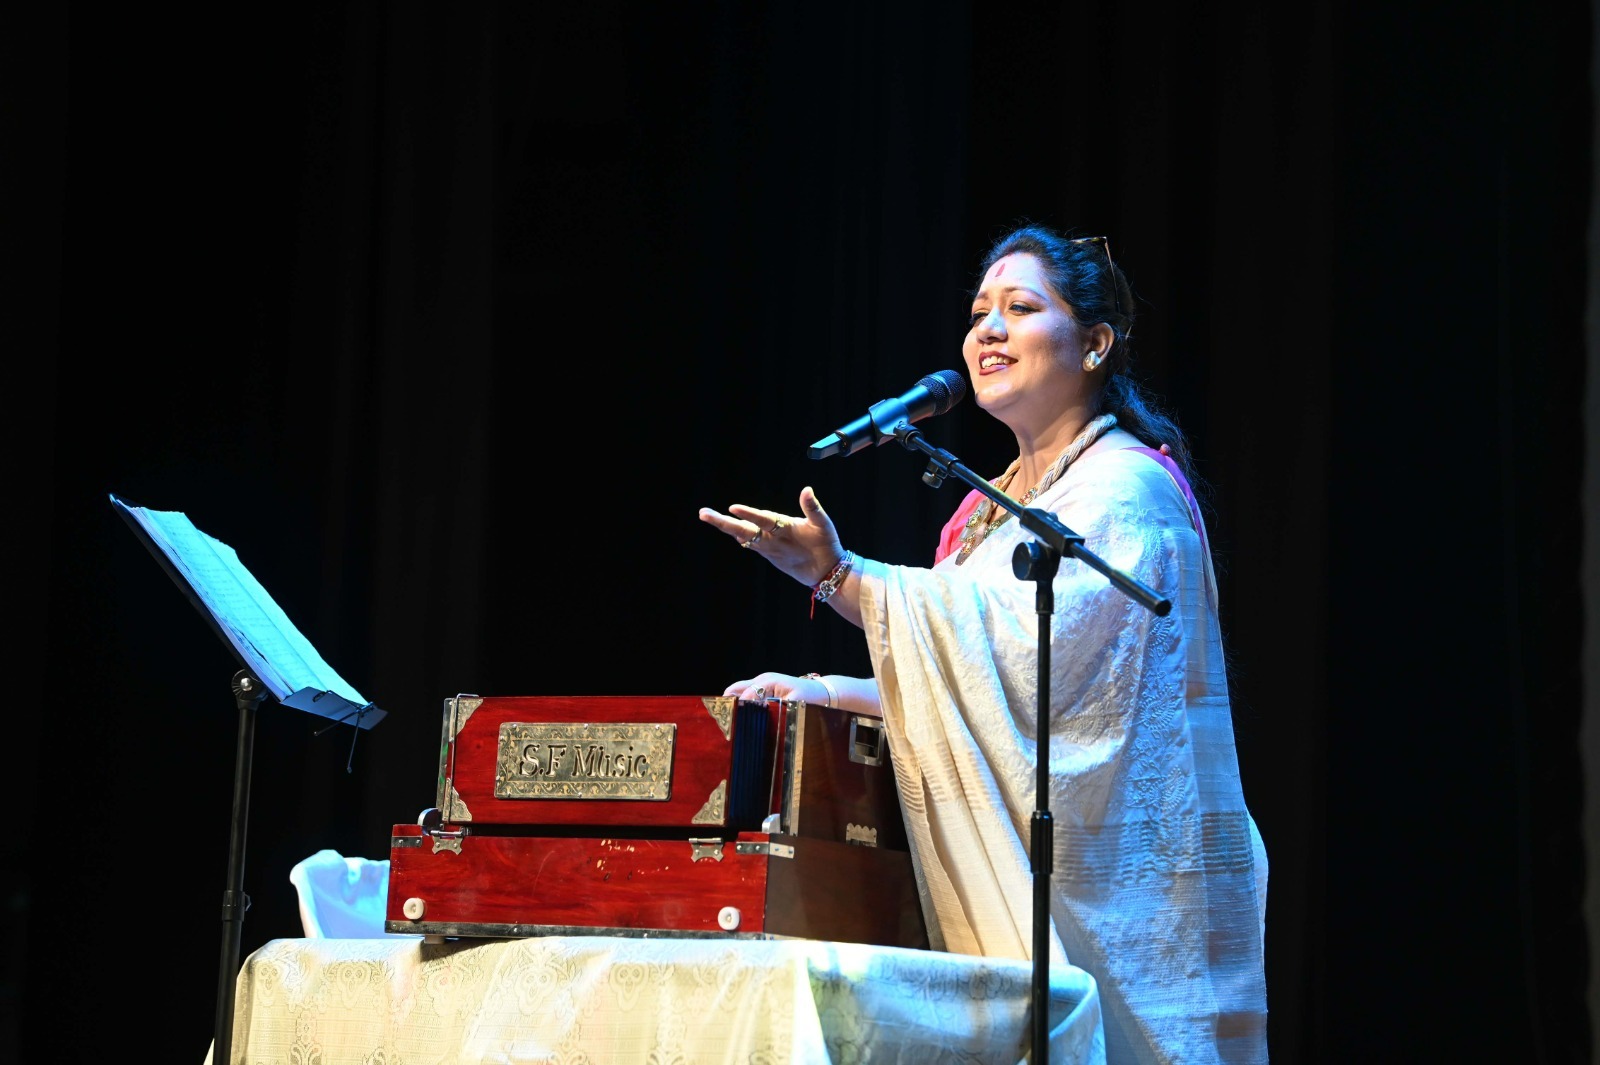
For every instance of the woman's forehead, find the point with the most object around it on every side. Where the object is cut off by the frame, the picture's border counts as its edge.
(1014, 270)
(1016, 264)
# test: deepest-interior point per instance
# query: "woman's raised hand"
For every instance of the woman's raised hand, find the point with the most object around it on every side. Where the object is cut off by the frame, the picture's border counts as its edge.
(806, 548)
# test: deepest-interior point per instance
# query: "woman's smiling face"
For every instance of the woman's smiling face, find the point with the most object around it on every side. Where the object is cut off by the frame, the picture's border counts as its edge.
(1024, 350)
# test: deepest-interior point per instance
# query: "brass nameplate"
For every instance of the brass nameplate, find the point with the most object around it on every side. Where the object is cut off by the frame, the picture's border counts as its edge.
(584, 760)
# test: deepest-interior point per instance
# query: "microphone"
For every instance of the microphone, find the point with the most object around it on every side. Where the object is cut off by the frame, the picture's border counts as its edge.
(934, 394)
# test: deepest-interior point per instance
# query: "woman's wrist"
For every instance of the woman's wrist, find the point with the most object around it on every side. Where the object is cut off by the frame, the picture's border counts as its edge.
(823, 590)
(827, 686)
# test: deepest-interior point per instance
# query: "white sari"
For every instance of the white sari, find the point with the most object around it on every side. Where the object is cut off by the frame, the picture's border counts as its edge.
(1159, 877)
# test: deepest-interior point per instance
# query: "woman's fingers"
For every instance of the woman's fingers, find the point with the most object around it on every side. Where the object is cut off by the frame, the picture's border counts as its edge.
(811, 507)
(804, 548)
(725, 522)
(738, 687)
(763, 686)
(766, 520)
(742, 522)
(754, 527)
(748, 533)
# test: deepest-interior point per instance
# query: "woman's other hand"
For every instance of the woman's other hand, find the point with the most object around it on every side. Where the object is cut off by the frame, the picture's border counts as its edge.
(778, 686)
(858, 695)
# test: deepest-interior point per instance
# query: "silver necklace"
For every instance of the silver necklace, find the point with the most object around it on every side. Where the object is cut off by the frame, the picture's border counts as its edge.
(989, 515)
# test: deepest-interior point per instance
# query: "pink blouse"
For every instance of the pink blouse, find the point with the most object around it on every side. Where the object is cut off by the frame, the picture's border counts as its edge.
(950, 537)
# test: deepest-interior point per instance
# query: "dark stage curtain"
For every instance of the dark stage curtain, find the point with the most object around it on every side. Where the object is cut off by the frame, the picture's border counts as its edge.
(449, 318)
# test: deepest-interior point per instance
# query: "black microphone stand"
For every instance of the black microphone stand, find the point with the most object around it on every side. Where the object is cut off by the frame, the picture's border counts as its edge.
(1037, 562)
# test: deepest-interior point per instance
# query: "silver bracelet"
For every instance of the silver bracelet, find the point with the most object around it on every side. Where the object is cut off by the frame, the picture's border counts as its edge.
(833, 694)
(830, 584)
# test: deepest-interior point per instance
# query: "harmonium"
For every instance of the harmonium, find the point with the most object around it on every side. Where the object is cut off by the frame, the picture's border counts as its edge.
(657, 816)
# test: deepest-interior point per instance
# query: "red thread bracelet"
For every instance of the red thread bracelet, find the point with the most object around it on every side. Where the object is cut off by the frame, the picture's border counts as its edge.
(823, 590)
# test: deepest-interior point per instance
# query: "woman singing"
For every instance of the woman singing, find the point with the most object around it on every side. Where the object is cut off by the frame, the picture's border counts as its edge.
(1159, 876)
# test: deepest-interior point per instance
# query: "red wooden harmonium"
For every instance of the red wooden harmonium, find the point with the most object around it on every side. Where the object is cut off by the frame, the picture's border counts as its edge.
(657, 815)
(753, 885)
(690, 761)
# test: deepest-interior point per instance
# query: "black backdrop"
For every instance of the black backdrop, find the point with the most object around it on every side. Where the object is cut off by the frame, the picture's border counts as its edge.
(448, 320)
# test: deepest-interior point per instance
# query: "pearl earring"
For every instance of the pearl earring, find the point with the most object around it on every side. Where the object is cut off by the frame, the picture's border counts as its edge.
(1090, 361)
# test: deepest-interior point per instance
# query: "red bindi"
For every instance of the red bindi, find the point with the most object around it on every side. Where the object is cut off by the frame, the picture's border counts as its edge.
(999, 269)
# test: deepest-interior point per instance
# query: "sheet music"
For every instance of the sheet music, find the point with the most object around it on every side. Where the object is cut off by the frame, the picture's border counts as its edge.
(260, 632)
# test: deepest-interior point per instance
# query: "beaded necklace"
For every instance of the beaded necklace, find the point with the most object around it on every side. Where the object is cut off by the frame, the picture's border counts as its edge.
(989, 515)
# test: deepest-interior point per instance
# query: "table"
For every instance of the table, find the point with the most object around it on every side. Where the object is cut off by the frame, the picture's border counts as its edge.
(589, 999)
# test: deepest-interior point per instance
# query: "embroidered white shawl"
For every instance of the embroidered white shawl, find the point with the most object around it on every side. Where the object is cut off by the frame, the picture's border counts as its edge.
(1159, 877)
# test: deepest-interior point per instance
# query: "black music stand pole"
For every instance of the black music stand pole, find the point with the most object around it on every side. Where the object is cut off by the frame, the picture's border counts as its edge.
(248, 694)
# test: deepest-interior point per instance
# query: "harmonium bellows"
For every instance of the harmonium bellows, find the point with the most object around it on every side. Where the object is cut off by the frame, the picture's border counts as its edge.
(658, 816)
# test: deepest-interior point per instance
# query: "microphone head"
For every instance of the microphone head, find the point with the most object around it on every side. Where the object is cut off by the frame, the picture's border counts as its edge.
(934, 394)
(947, 387)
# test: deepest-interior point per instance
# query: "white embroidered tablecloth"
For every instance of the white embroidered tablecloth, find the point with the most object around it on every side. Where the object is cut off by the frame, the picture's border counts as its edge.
(583, 1000)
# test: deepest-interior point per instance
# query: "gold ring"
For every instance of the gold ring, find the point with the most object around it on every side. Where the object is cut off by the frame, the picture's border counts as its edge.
(752, 541)
(779, 524)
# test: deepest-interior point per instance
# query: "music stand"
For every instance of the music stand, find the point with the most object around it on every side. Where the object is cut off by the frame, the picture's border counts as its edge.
(277, 660)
